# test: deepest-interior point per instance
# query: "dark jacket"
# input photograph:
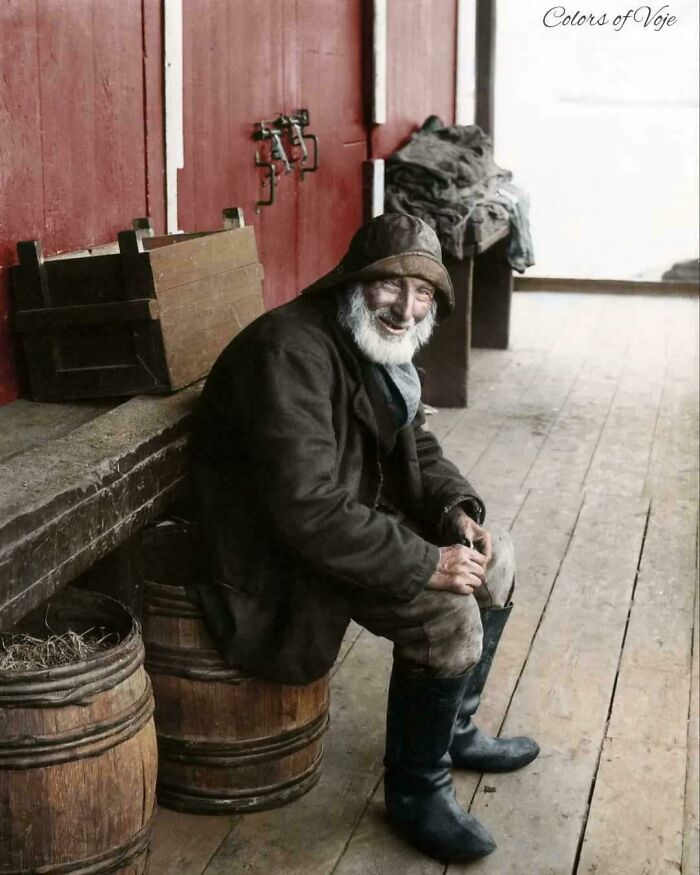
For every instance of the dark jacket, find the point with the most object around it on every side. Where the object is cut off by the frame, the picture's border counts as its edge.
(289, 457)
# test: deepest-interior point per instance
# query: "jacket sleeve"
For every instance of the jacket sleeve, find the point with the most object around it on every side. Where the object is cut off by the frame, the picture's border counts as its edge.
(293, 450)
(443, 486)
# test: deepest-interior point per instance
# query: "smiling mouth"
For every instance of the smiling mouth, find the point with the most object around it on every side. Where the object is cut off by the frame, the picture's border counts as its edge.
(391, 327)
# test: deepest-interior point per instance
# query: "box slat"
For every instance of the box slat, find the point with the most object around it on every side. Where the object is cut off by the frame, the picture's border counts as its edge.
(200, 318)
(46, 318)
(206, 256)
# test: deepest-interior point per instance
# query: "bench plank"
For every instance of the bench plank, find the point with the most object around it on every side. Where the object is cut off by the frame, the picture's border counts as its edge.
(66, 504)
(25, 424)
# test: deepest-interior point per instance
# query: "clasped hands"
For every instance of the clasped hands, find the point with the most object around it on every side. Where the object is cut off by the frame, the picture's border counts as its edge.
(462, 569)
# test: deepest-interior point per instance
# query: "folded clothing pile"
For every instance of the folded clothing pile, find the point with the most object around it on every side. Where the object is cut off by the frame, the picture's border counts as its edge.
(447, 177)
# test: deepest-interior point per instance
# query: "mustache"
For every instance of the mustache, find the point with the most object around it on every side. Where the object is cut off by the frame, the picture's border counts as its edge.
(386, 314)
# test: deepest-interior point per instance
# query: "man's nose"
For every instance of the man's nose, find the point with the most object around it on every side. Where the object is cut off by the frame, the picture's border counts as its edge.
(403, 305)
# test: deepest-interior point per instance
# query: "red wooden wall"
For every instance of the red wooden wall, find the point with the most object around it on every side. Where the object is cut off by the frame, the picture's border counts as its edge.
(79, 156)
(81, 129)
(421, 63)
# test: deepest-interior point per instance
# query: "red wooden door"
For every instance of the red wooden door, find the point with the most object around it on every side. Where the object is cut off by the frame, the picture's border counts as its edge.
(330, 201)
(245, 62)
(421, 58)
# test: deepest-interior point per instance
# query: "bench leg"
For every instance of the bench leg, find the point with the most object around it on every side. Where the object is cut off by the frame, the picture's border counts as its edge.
(493, 289)
(446, 358)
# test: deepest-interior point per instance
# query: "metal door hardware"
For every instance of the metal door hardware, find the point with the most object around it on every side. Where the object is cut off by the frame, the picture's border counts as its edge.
(296, 125)
(270, 179)
(296, 137)
(272, 132)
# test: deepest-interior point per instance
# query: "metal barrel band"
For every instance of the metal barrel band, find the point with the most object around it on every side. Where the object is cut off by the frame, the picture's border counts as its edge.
(217, 755)
(201, 665)
(79, 743)
(52, 688)
(99, 864)
(254, 799)
(169, 601)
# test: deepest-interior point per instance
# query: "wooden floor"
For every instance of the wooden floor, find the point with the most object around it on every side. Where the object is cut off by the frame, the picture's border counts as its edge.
(583, 439)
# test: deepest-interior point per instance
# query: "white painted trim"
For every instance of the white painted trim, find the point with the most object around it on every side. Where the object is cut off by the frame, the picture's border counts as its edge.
(379, 55)
(465, 67)
(174, 110)
(377, 188)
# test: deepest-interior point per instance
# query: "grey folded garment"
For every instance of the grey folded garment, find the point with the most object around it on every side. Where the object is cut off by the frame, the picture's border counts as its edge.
(447, 177)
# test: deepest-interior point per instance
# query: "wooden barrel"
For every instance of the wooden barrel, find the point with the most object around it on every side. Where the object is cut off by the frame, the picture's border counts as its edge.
(78, 755)
(227, 742)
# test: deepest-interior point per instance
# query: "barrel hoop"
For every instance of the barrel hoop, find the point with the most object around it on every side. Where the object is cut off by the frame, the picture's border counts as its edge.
(74, 684)
(235, 754)
(90, 740)
(112, 860)
(168, 601)
(199, 665)
(250, 799)
(165, 608)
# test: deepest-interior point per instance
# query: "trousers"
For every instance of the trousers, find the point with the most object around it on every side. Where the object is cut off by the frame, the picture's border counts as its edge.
(439, 634)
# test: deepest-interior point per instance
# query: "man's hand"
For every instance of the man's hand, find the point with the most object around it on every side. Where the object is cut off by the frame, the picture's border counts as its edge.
(459, 526)
(460, 570)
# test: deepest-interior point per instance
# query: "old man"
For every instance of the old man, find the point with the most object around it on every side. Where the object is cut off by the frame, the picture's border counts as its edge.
(325, 498)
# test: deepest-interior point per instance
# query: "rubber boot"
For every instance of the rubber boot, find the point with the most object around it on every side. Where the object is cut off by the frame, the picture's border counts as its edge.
(420, 797)
(471, 748)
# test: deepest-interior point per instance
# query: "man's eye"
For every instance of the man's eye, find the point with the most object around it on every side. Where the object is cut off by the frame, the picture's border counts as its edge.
(426, 293)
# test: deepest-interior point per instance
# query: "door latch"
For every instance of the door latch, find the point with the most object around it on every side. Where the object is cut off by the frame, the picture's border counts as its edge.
(272, 132)
(296, 125)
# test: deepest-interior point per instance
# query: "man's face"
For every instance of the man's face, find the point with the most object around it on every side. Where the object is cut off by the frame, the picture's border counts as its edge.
(390, 319)
(399, 303)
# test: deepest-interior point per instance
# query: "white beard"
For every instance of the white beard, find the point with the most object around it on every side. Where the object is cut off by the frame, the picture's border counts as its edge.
(378, 346)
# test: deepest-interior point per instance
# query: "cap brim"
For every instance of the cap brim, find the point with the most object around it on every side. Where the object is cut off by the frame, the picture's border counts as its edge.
(418, 264)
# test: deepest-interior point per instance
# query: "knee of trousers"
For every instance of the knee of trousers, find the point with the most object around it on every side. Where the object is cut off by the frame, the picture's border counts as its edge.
(455, 635)
(500, 574)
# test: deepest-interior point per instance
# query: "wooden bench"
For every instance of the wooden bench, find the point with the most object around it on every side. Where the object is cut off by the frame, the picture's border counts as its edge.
(483, 284)
(77, 482)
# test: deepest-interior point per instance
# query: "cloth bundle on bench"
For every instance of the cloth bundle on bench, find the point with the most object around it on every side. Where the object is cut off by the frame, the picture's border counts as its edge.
(447, 177)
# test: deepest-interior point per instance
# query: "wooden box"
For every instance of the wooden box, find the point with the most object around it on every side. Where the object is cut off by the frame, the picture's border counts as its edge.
(146, 315)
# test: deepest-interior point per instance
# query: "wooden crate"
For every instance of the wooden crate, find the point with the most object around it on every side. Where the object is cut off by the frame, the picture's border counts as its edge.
(145, 315)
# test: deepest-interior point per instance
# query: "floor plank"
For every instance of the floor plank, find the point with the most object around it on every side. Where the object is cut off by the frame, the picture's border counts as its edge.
(691, 821)
(184, 844)
(636, 817)
(621, 459)
(566, 454)
(529, 416)
(674, 466)
(539, 812)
